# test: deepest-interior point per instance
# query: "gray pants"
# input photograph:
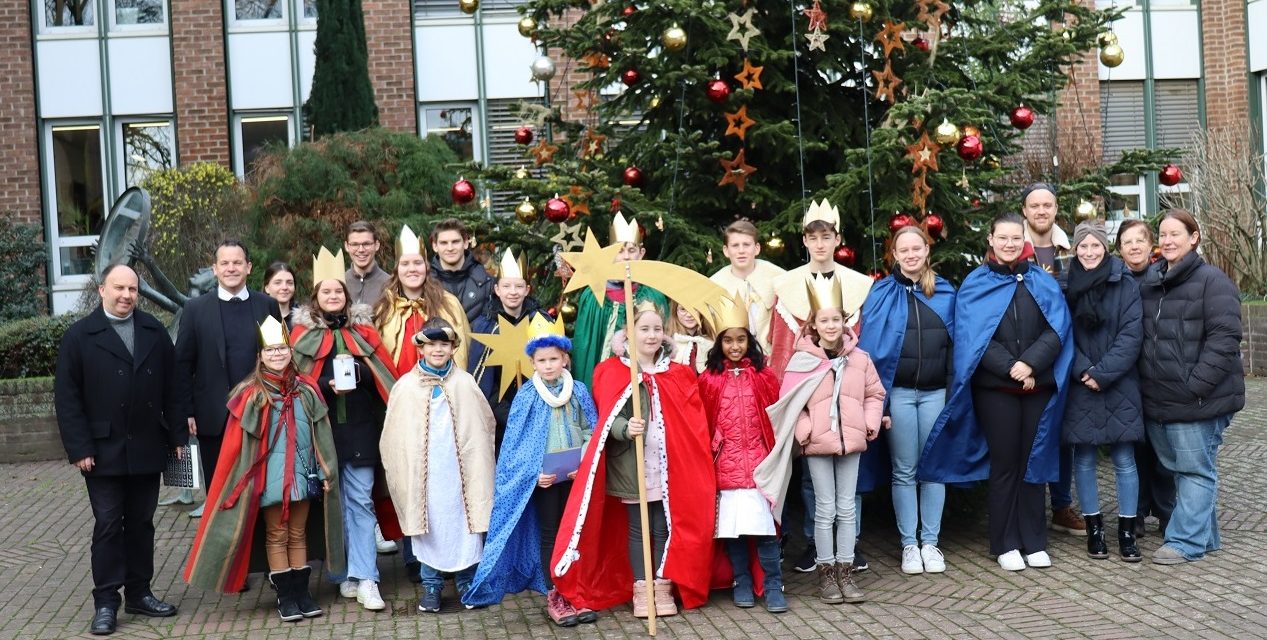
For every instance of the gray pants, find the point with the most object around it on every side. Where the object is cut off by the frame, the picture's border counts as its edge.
(659, 536)
(835, 480)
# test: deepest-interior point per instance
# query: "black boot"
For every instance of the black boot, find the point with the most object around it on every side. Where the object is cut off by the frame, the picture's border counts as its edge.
(1095, 537)
(303, 596)
(1126, 540)
(287, 608)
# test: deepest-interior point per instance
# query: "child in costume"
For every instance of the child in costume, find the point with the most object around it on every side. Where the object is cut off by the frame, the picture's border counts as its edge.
(278, 458)
(832, 403)
(749, 278)
(552, 413)
(592, 568)
(692, 339)
(437, 450)
(736, 388)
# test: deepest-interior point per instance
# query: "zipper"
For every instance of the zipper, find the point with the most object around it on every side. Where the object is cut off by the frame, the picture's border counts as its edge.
(919, 337)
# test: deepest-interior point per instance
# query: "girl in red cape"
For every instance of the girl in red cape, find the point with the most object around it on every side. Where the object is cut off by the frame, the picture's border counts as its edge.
(597, 559)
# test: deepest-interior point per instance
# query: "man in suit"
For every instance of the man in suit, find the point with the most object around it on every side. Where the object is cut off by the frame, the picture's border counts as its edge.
(119, 416)
(216, 348)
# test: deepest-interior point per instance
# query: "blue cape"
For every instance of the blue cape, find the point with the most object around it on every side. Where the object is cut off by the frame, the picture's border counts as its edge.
(979, 306)
(512, 549)
(883, 332)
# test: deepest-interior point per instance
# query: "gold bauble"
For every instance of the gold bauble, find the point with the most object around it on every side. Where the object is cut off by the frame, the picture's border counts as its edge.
(774, 247)
(1107, 38)
(1085, 211)
(993, 162)
(527, 27)
(567, 311)
(655, 102)
(521, 173)
(674, 38)
(468, 6)
(861, 11)
(526, 212)
(946, 133)
(1112, 55)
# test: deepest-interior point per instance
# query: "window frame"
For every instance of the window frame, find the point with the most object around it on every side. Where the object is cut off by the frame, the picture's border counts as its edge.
(239, 152)
(146, 28)
(257, 24)
(43, 29)
(477, 136)
(121, 126)
(58, 241)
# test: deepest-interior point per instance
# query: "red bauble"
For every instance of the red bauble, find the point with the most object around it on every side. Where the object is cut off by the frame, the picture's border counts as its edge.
(970, 148)
(629, 11)
(630, 77)
(717, 90)
(632, 176)
(523, 135)
(845, 256)
(553, 312)
(921, 43)
(1170, 175)
(557, 210)
(900, 220)
(934, 225)
(877, 275)
(615, 208)
(1022, 117)
(463, 192)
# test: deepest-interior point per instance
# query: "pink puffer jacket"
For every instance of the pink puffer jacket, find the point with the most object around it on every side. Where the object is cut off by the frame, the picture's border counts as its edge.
(861, 400)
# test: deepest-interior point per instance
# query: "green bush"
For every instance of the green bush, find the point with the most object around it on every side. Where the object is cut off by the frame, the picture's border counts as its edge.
(21, 270)
(28, 348)
(193, 208)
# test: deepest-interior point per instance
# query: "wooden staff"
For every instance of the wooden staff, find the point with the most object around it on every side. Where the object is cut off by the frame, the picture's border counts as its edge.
(636, 398)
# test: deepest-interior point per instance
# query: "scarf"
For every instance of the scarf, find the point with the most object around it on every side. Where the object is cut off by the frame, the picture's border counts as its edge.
(284, 388)
(336, 322)
(1086, 289)
(549, 397)
(440, 373)
(402, 322)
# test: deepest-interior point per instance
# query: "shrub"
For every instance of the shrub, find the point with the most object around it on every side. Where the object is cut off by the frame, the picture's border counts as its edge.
(28, 348)
(21, 270)
(193, 208)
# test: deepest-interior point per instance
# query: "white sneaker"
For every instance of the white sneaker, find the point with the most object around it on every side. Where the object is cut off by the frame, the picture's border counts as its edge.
(1038, 560)
(347, 588)
(384, 546)
(912, 563)
(1012, 561)
(934, 562)
(367, 595)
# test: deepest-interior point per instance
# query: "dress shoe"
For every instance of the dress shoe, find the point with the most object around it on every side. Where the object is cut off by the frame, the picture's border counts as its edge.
(148, 605)
(104, 621)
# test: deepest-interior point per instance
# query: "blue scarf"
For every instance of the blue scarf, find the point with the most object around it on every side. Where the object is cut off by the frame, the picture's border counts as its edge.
(436, 391)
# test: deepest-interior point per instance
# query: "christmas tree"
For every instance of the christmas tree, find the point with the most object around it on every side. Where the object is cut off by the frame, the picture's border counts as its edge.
(342, 98)
(898, 112)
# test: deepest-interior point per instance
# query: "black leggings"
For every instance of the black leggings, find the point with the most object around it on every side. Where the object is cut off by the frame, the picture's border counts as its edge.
(550, 503)
(1018, 514)
(659, 536)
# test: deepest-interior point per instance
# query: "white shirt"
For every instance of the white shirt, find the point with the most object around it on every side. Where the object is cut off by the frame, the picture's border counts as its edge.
(224, 294)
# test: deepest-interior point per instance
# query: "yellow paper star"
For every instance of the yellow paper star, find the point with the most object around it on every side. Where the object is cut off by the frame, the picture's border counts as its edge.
(750, 76)
(737, 123)
(593, 266)
(505, 349)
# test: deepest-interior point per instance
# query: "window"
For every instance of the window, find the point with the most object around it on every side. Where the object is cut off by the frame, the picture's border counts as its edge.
(310, 8)
(258, 9)
(455, 125)
(138, 12)
(77, 193)
(147, 148)
(440, 8)
(69, 13)
(255, 133)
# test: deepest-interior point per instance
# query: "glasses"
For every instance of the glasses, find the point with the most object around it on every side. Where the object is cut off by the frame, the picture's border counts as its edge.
(361, 245)
(275, 351)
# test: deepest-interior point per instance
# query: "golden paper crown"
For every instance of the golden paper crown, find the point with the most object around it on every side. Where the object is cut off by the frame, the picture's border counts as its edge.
(328, 266)
(512, 266)
(408, 243)
(623, 231)
(824, 293)
(541, 326)
(273, 333)
(822, 210)
(732, 313)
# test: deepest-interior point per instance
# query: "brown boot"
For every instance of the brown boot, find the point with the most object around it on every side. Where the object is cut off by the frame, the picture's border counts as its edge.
(1067, 520)
(849, 591)
(640, 598)
(664, 604)
(828, 587)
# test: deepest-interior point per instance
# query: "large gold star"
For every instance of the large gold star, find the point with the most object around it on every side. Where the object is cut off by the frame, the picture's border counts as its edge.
(890, 37)
(886, 83)
(736, 171)
(745, 21)
(737, 123)
(750, 76)
(593, 266)
(923, 154)
(543, 152)
(506, 350)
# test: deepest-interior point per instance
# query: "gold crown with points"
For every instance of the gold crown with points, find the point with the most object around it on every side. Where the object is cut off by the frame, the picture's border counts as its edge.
(328, 266)
(824, 293)
(623, 230)
(732, 313)
(512, 266)
(408, 243)
(824, 211)
(540, 326)
(273, 333)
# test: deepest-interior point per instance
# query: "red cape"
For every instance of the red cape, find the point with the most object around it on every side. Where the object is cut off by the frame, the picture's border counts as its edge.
(599, 575)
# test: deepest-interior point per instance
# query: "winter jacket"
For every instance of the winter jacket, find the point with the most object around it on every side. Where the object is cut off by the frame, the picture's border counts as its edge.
(471, 284)
(861, 400)
(925, 359)
(1108, 353)
(735, 401)
(1023, 335)
(1190, 367)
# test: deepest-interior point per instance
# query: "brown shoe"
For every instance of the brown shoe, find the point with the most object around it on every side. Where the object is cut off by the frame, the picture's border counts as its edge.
(640, 598)
(1067, 520)
(828, 586)
(848, 590)
(664, 604)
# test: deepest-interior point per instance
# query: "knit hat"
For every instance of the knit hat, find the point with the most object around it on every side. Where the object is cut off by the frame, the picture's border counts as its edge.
(1036, 186)
(1093, 228)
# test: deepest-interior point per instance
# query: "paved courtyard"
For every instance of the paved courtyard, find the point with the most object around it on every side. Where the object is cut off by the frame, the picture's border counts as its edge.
(45, 527)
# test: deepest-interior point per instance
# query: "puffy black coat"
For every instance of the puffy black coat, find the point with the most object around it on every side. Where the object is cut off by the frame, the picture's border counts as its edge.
(1023, 334)
(1108, 353)
(1190, 366)
(925, 359)
(471, 284)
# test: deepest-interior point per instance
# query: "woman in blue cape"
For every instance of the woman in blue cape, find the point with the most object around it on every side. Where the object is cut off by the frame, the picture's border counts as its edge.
(910, 320)
(1013, 349)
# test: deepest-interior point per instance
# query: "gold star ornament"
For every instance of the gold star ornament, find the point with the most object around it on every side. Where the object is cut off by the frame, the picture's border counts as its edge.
(506, 350)
(569, 237)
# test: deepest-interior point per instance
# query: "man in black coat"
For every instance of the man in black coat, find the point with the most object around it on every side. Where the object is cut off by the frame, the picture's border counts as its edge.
(217, 346)
(458, 270)
(119, 416)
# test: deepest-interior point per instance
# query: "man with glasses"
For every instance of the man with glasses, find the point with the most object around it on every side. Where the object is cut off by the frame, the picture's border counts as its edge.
(365, 279)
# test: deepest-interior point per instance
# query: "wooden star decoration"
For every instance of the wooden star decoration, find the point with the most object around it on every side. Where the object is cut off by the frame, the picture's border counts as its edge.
(544, 152)
(886, 83)
(923, 154)
(596, 60)
(817, 40)
(745, 21)
(817, 18)
(736, 171)
(931, 12)
(737, 123)
(890, 37)
(920, 192)
(592, 146)
(585, 99)
(578, 201)
(569, 237)
(749, 77)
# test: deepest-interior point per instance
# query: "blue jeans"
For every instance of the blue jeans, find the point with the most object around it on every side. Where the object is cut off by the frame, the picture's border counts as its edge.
(355, 486)
(1085, 457)
(807, 496)
(1062, 489)
(835, 518)
(1188, 450)
(432, 579)
(913, 413)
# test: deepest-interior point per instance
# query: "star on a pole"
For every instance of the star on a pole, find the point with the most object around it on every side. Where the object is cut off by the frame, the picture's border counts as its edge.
(737, 123)
(745, 21)
(592, 267)
(817, 40)
(890, 37)
(505, 349)
(886, 83)
(736, 171)
(544, 152)
(923, 154)
(817, 17)
(749, 77)
(568, 237)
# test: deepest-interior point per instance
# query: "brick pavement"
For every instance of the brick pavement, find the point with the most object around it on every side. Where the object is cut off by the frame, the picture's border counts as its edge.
(45, 527)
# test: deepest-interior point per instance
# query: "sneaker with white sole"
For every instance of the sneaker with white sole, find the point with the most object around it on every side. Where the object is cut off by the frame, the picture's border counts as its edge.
(367, 595)
(934, 562)
(912, 563)
(1012, 561)
(383, 545)
(1038, 560)
(347, 588)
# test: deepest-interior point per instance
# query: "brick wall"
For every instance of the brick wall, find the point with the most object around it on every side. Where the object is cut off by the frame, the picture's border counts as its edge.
(567, 75)
(19, 132)
(202, 98)
(391, 62)
(28, 423)
(1224, 64)
(1078, 137)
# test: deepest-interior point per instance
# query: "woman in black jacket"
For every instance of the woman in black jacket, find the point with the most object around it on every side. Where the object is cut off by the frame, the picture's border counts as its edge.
(1103, 407)
(1192, 380)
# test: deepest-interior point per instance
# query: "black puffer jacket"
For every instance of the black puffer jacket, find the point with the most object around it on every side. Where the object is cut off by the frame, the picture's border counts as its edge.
(1023, 334)
(1190, 367)
(924, 362)
(470, 284)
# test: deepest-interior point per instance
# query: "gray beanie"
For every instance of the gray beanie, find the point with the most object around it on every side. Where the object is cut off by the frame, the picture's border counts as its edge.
(1093, 228)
